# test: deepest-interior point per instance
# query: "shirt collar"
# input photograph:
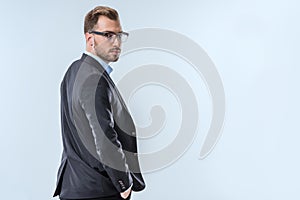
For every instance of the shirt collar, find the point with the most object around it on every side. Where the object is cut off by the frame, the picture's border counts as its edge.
(106, 66)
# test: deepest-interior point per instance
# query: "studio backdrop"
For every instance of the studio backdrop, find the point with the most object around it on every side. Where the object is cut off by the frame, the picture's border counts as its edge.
(213, 87)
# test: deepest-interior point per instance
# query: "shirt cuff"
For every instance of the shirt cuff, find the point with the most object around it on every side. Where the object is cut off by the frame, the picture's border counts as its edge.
(129, 188)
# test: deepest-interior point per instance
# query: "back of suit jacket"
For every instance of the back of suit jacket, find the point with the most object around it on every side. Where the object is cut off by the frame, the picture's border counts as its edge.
(99, 143)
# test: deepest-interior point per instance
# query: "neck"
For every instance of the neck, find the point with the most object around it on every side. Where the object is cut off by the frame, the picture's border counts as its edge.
(92, 51)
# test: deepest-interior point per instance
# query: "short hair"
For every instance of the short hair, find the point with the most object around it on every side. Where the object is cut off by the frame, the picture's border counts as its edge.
(92, 17)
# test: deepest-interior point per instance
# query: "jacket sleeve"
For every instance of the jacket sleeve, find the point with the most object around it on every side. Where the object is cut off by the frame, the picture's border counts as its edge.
(95, 100)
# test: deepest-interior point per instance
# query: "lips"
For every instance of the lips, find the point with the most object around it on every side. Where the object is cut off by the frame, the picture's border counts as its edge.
(116, 51)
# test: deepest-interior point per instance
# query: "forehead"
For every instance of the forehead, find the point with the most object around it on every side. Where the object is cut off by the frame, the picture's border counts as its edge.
(106, 24)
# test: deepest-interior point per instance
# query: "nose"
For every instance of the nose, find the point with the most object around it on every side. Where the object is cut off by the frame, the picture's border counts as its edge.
(117, 41)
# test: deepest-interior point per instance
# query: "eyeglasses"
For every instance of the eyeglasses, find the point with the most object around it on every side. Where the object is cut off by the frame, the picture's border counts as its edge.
(111, 36)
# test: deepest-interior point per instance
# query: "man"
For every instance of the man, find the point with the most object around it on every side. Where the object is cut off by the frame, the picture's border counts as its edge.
(99, 159)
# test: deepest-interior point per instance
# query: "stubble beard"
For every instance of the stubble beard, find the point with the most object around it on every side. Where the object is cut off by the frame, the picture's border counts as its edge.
(107, 56)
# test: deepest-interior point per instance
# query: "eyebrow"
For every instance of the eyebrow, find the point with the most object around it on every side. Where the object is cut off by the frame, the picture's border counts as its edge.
(112, 32)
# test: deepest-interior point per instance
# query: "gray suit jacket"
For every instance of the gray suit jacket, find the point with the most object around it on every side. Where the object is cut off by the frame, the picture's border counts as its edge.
(99, 142)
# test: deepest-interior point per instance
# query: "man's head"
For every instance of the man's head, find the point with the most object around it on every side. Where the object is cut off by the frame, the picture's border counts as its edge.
(103, 33)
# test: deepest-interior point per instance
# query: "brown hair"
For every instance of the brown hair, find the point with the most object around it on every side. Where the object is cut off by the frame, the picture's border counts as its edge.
(92, 17)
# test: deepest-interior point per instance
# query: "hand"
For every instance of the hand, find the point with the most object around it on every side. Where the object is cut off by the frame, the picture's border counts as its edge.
(125, 194)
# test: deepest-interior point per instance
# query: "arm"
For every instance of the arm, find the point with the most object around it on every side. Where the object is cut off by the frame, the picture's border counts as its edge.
(95, 100)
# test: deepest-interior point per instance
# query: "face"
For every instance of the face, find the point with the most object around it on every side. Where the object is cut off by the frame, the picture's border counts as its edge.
(107, 50)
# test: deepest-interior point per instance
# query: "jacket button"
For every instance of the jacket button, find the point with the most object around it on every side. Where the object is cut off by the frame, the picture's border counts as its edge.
(133, 133)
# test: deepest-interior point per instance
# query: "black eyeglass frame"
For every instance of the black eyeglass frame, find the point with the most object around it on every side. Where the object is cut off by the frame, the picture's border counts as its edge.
(106, 34)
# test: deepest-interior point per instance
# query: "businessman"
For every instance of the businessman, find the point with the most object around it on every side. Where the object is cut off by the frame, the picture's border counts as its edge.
(99, 159)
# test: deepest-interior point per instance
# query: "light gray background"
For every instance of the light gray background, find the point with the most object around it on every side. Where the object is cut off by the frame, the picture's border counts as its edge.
(255, 47)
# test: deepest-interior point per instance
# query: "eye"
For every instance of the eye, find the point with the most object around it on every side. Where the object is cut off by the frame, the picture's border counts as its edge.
(109, 35)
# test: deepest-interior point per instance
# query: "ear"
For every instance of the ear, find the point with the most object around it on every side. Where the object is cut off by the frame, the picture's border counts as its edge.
(89, 39)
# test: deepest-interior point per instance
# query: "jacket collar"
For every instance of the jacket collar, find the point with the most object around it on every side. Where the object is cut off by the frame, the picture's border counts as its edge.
(93, 62)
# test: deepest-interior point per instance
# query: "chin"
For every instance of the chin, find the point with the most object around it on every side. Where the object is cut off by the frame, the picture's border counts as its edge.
(115, 60)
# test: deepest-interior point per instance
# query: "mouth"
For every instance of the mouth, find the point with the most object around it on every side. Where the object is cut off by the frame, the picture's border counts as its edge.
(115, 51)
